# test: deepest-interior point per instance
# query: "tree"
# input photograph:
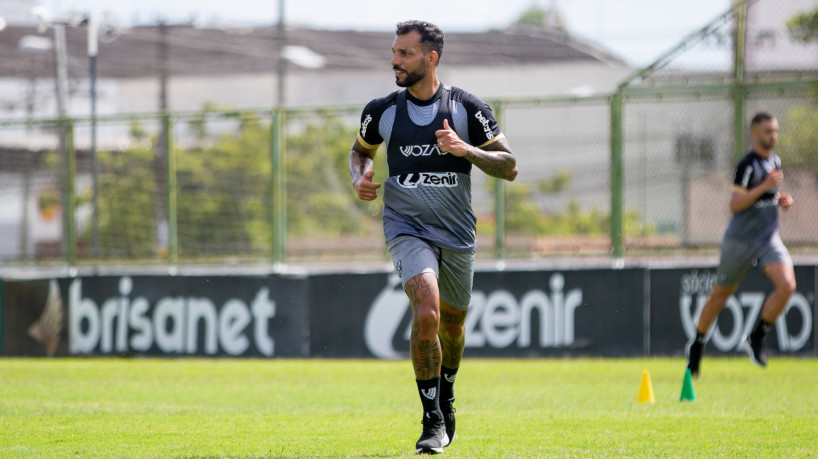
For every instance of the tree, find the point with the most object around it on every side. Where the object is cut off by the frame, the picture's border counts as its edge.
(224, 179)
(804, 26)
(223, 191)
(126, 217)
(524, 216)
(318, 182)
(799, 143)
(541, 19)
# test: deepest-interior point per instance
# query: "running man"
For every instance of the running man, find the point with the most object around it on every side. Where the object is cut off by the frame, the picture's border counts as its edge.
(751, 239)
(433, 134)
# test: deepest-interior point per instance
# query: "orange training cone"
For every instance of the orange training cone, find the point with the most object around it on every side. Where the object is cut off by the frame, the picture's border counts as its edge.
(646, 390)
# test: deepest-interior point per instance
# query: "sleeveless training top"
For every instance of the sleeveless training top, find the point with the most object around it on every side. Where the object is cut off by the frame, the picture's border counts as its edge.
(428, 192)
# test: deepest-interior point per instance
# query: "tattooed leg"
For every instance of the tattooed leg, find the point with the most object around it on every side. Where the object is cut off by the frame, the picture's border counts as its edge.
(424, 343)
(452, 335)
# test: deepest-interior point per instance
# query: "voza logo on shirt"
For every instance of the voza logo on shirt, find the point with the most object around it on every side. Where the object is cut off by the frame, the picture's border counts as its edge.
(420, 150)
(438, 179)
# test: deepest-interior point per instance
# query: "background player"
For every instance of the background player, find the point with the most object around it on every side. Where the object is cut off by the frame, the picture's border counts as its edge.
(434, 134)
(751, 239)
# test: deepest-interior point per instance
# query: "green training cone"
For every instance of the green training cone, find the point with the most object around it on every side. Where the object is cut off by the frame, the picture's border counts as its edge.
(687, 388)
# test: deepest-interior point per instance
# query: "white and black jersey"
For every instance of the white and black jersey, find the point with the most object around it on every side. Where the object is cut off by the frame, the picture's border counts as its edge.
(428, 192)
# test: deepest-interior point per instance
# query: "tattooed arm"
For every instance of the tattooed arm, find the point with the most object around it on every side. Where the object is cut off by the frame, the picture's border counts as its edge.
(495, 159)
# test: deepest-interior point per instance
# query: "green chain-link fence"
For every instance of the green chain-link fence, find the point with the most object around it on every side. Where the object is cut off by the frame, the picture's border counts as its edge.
(644, 170)
(685, 126)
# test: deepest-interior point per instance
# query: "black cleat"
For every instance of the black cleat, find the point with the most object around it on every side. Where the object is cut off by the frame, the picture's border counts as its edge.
(694, 351)
(434, 437)
(755, 349)
(447, 407)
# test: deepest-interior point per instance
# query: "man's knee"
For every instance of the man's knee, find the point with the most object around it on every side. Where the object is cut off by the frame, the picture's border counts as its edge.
(451, 330)
(427, 318)
(452, 321)
(787, 286)
(721, 294)
(783, 277)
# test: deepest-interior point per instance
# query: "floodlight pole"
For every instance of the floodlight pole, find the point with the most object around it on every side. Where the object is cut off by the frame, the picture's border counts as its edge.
(739, 41)
(93, 48)
(62, 73)
(281, 63)
(69, 242)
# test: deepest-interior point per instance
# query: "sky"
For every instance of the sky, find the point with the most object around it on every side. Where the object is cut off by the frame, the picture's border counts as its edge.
(637, 31)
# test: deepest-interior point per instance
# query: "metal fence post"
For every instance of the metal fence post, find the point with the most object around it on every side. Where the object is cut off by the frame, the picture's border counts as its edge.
(617, 226)
(278, 198)
(499, 201)
(173, 243)
(282, 195)
(1, 317)
(71, 196)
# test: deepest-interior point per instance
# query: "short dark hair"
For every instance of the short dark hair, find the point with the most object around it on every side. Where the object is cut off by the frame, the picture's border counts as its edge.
(760, 117)
(431, 37)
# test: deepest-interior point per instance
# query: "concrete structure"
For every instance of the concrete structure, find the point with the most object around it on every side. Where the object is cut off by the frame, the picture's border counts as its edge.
(241, 69)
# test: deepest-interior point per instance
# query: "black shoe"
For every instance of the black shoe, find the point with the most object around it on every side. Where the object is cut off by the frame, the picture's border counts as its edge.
(755, 349)
(434, 437)
(447, 407)
(694, 351)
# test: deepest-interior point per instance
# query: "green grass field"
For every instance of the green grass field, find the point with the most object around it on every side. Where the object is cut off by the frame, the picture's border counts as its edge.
(370, 408)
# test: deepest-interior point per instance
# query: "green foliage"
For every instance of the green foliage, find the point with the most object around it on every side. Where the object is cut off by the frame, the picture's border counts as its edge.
(798, 144)
(532, 16)
(49, 198)
(138, 131)
(537, 17)
(321, 198)
(126, 196)
(524, 216)
(804, 26)
(558, 183)
(225, 191)
(522, 213)
(224, 187)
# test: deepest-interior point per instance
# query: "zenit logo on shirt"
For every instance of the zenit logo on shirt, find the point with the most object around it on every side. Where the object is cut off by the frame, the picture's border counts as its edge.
(438, 179)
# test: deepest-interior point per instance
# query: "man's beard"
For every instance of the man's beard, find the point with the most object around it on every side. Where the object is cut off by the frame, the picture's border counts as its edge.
(411, 77)
(768, 145)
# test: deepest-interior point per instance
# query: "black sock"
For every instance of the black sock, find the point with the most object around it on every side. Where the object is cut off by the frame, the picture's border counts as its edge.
(429, 391)
(699, 338)
(762, 328)
(447, 377)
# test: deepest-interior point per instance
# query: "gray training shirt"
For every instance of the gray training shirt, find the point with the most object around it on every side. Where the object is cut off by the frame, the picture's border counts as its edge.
(428, 192)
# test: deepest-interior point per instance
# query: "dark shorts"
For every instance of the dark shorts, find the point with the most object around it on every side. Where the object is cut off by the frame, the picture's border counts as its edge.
(454, 270)
(738, 258)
